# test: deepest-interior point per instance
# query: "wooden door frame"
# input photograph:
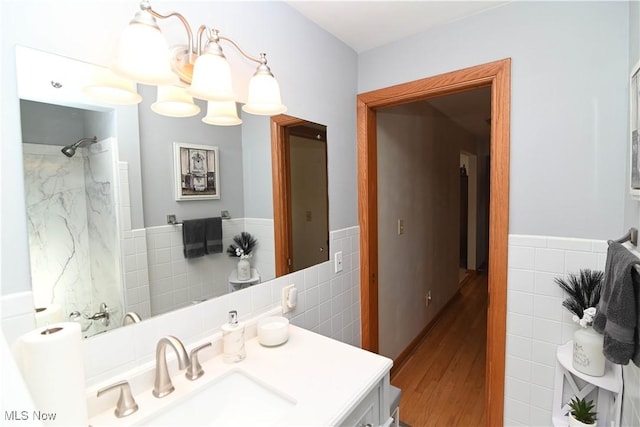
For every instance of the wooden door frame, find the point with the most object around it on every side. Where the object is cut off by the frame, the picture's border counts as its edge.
(281, 193)
(497, 75)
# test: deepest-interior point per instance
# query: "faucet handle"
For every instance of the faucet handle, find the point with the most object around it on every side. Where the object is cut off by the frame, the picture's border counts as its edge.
(126, 403)
(195, 371)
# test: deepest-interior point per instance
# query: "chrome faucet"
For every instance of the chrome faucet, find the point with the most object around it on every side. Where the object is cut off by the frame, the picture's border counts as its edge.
(163, 385)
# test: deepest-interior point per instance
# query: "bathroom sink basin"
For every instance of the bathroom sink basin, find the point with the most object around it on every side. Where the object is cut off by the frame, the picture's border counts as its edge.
(233, 399)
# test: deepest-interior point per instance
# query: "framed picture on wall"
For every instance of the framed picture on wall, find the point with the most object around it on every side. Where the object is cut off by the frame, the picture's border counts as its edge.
(196, 170)
(634, 128)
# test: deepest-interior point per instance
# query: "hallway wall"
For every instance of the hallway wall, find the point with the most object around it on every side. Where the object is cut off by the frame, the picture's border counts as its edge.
(418, 182)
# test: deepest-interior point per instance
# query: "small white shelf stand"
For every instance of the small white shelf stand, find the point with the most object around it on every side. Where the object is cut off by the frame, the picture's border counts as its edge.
(609, 389)
(236, 284)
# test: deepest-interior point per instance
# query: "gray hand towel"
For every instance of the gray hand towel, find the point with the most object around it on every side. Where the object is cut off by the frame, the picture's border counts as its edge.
(193, 238)
(213, 235)
(617, 316)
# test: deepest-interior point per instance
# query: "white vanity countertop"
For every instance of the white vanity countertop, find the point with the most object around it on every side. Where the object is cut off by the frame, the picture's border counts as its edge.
(325, 377)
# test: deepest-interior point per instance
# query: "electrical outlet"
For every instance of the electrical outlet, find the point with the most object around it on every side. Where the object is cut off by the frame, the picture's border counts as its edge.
(289, 298)
(338, 262)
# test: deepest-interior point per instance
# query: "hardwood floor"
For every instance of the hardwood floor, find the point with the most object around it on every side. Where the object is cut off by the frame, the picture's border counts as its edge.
(443, 381)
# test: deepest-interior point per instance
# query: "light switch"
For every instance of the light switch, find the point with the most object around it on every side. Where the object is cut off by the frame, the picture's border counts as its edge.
(400, 226)
(338, 262)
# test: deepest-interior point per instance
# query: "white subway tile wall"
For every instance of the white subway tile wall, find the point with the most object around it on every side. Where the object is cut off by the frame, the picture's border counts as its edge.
(136, 272)
(133, 250)
(124, 196)
(336, 314)
(175, 282)
(330, 305)
(537, 323)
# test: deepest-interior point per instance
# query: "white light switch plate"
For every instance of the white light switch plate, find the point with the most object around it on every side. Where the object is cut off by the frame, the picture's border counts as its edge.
(338, 262)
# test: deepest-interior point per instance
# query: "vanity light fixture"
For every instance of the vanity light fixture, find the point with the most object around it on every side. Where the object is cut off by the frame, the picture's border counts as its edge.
(198, 70)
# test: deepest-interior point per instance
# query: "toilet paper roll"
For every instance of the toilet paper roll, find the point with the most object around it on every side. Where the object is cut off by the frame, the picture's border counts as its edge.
(52, 367)
(48, 315)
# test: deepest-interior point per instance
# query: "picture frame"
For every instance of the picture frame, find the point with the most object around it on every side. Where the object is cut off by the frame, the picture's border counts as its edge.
(634, 130)
(196, 171)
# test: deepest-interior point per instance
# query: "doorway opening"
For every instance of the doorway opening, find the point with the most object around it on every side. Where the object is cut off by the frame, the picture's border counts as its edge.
(300, 193)
(495, 75)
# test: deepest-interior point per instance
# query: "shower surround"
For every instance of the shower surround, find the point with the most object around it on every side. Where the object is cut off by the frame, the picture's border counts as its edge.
(73, 230)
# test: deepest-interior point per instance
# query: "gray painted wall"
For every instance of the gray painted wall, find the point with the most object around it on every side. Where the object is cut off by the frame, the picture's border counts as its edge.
(632, 207)
(317, 75)
(569, 104)
(157, 135)
(419, 158)
(256, 166)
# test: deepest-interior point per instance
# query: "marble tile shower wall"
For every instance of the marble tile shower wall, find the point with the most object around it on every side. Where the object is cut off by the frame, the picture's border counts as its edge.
(537, 323)
(73, 228)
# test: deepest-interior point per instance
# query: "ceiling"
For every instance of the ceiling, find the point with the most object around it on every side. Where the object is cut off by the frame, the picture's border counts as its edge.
(367, 24)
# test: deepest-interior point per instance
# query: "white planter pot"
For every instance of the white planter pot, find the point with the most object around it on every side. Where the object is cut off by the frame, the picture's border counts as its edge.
(575, 423)
(244, 270)
(588, 357)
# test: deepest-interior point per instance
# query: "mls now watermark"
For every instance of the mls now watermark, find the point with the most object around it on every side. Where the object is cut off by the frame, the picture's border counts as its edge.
(29, 415)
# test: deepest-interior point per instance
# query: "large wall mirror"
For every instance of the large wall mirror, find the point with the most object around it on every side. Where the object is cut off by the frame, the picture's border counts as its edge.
(99, 187)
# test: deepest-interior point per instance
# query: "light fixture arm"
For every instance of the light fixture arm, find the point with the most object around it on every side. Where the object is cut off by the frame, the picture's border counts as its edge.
(212, 36)
(146, 6)
(263, 68)
(261, 60)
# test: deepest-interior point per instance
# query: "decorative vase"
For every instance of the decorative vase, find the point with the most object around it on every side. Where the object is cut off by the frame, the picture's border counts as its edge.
(588, 357)
(575, 423)
(244, 270)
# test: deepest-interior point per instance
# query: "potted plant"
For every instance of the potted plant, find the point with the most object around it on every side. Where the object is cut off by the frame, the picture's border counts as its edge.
(244, 245)
(581, 413)
(583, 294)
(583, 290)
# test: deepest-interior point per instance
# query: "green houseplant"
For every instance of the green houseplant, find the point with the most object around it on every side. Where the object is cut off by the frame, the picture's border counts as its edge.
(581, 413)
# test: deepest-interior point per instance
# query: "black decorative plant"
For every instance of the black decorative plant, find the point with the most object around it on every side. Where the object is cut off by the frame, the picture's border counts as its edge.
(245, 243)
(583, 290)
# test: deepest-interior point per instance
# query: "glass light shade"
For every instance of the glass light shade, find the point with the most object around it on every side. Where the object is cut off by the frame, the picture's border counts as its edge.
(109, 88)
(174, 101)
(211, 79)
(143, 56)
(264, 96)
(222, 114)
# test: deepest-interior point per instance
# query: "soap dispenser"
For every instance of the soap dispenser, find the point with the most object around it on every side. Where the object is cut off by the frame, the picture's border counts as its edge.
(233, 339)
